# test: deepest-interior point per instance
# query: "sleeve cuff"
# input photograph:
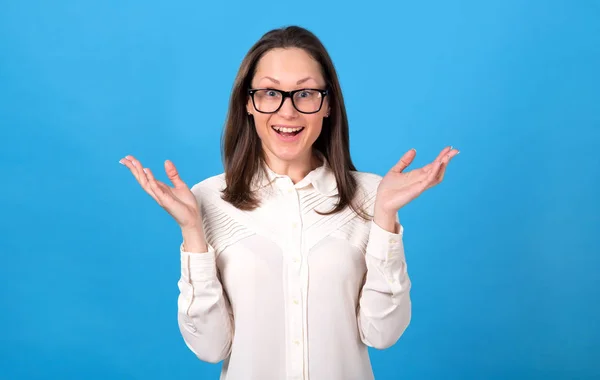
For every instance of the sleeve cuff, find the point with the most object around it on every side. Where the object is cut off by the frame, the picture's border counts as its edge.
(385, 245)
(198, 266)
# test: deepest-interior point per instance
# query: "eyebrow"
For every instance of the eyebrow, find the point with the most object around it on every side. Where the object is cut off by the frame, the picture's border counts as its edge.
(299, 82)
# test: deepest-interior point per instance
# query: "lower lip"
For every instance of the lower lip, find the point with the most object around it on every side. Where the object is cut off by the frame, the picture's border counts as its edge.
(291, 138)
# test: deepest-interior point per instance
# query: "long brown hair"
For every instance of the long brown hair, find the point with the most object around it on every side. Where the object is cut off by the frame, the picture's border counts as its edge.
(241, 146)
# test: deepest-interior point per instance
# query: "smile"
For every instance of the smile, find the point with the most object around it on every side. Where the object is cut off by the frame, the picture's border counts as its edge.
(287, 131)
(287, 134)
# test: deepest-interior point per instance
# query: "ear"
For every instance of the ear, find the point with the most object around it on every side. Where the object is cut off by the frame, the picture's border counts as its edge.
(249, 106)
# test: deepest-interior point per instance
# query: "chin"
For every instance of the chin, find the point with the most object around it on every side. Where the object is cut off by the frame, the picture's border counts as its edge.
(287, 154)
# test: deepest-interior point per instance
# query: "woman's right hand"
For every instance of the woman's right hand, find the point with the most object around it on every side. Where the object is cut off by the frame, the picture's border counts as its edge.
(178, 200)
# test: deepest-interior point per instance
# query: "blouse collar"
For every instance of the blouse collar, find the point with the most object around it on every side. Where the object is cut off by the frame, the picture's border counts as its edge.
(322, 178)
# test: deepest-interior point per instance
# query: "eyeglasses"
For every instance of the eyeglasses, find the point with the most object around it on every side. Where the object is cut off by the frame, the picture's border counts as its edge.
(306, 100)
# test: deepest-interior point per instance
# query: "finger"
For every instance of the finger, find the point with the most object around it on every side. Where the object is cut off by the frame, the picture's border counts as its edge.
(147, 186)
(163, 198)
(138, 167)
(434, 173)
(443, 153)
(439, 157)
(125, 161)
(405, 160)
(135, 167)
(173, 174)
(449, 150)
(440, 176)
(445, 162)
(141, 176)
(443, 166)
(418, 187)
(452, 153)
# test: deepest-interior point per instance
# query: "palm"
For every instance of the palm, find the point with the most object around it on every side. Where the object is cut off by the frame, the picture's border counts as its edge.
(398, 188)
(177, 200)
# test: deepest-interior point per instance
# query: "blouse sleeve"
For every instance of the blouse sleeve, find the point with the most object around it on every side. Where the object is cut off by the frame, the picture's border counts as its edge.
(384, 305)
(204, 314)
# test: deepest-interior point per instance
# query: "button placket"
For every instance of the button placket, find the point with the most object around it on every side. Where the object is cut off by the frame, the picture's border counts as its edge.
(295, 286)
(296, 229)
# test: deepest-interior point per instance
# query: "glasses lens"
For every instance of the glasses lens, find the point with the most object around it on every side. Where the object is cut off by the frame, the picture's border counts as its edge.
(267, 100)
(308, 101)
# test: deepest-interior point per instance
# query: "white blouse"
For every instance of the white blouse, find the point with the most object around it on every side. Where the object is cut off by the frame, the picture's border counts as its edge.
(286, 293)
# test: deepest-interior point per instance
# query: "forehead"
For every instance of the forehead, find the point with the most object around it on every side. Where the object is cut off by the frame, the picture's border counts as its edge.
(288, 66)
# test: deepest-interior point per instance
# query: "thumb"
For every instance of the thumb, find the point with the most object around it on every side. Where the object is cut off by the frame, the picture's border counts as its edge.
(405, 160)
(173, 175)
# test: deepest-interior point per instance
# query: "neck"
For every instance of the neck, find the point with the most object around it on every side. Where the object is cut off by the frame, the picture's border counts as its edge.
(296, 169)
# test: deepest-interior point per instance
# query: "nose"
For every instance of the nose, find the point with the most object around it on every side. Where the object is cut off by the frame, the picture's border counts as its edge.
(287, 109)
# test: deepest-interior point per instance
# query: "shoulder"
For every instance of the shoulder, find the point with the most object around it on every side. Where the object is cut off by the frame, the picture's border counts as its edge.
(367, 182)
(366, 192)
(209, 187)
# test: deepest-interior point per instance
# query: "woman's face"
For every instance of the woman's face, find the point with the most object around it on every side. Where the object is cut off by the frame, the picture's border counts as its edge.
(288, 135)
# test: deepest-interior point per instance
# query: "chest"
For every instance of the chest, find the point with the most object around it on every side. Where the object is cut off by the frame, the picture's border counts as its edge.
(289, 239)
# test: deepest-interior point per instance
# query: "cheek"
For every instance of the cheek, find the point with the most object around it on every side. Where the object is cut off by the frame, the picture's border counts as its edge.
(261, 123)
(315, 124)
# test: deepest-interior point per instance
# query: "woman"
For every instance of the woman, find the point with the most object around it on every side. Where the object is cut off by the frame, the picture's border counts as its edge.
(292, 261)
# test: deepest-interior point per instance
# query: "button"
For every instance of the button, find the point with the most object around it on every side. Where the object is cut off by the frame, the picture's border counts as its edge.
(392, 241)
(290, 191)
(295, 259)
(294, 225)
(297, 342)
(296, 302)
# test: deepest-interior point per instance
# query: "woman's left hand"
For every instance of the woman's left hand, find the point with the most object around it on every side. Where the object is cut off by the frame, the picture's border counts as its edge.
(398, 188)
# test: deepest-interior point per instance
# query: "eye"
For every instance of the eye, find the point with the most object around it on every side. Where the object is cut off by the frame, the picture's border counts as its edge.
(271, 93)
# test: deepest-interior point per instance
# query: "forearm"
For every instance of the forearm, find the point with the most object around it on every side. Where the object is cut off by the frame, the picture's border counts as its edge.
(204, 315)
(385, 305)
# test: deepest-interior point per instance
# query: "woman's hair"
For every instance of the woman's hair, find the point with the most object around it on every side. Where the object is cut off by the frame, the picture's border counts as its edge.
(241, 146)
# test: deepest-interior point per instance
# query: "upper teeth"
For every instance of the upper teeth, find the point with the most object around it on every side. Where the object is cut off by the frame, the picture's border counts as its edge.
(287, 130)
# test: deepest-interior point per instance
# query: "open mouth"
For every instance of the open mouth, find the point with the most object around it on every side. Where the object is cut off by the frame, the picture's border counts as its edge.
(287, 131)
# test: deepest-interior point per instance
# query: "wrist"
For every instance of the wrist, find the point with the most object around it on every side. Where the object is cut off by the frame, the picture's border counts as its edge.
(192, 225)
(194, 240)
(385, 219)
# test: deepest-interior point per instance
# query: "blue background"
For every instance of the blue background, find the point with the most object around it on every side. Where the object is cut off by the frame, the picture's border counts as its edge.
(504, 254)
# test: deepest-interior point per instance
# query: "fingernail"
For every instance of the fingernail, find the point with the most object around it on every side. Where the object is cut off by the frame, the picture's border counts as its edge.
(121, 162)
(414, 150)
(133, 163)
(145, 171)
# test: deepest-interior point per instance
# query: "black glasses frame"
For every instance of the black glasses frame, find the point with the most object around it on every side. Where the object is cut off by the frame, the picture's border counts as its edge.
(288, 94)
